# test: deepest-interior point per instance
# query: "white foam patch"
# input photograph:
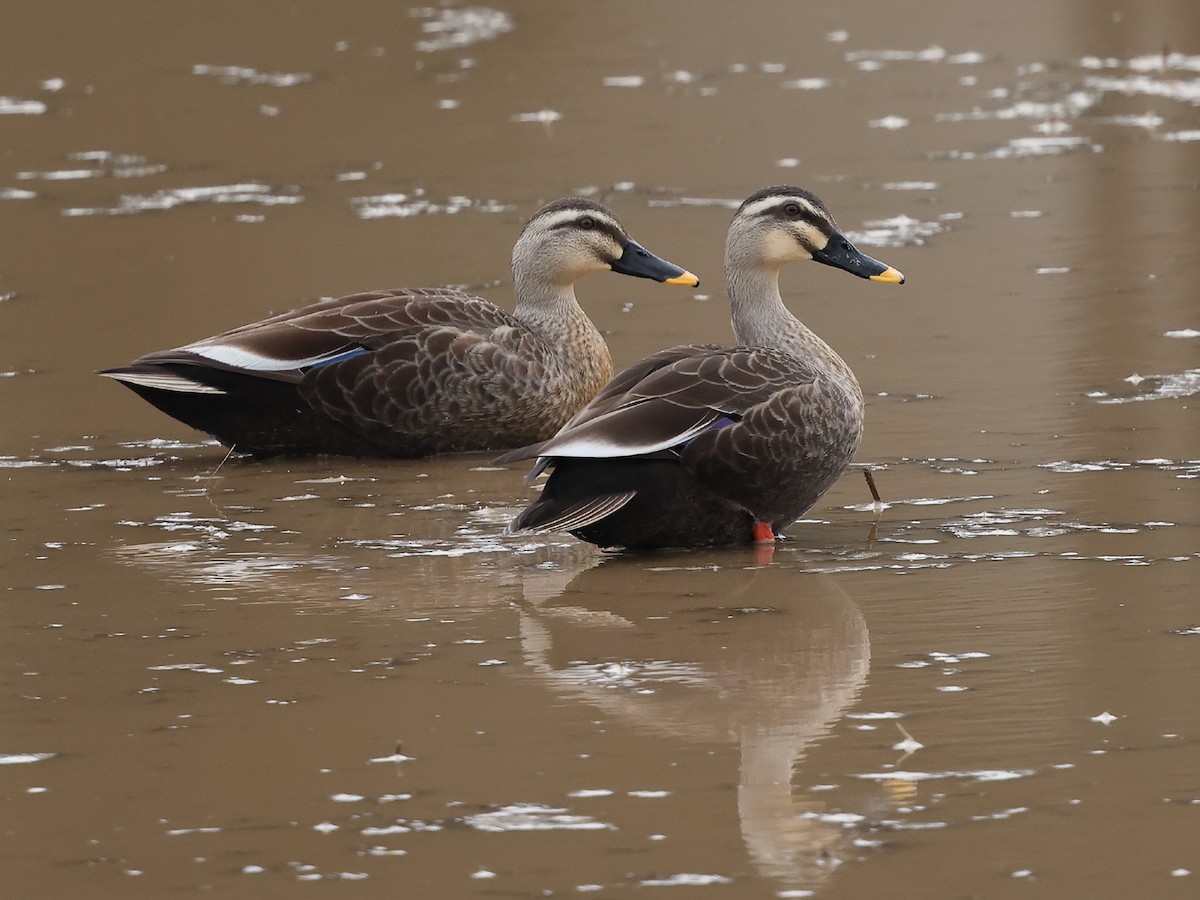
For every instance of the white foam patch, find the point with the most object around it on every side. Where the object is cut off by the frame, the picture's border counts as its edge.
(130, 204)
(545, 116)
(456, 29)
(13, 106)
(242, 75)
(1187, 91)
(533, 817)
(400, 205)
(898, 231)
(1166, 387)
(976, 775)
(806, 84)
(16, 759)
(626, 81)
(687, 879)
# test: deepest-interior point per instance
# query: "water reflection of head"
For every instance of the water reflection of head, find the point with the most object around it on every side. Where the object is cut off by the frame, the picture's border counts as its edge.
(676, 646)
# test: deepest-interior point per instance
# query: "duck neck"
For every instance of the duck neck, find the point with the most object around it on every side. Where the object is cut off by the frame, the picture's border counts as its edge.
(760, 319)
(550, 310)
(542, 304)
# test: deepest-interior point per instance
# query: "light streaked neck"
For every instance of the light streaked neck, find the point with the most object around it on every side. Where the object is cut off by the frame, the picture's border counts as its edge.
(551, 311)
(543, 304)
(760, 318)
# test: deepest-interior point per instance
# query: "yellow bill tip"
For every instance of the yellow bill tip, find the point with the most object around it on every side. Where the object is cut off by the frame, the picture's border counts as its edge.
(687, 278)
(888, 276)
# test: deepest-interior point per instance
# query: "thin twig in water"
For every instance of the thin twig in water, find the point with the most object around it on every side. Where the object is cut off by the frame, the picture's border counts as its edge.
(871, 535)
(211, 476)
(225, 459)
(871, 484)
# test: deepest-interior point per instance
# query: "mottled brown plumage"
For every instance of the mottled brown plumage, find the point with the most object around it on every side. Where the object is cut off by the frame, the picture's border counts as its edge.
(411, 372)
(697, 445)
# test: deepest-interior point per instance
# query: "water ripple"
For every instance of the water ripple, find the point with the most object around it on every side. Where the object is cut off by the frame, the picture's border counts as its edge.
(974, 775)
(1187, 91)
(98, 164)
(232, 75)
(401, 205)
(12, 106)
(454, 29)
(898, 231)
(1021, 147)
(14, 759)
(251, 192)
(873, 59)
(1158, 387)
(1152, 62)
(533, 817)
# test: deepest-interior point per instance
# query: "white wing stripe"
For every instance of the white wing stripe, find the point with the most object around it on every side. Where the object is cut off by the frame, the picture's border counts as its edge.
(164, 381)
(247, 360)
(603, 448)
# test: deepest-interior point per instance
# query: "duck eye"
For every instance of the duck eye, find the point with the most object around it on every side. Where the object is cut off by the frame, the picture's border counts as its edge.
(792, 209)
(587, 223)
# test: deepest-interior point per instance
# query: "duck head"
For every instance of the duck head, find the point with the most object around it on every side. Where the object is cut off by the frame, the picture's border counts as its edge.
(783, 224)
(570, 238)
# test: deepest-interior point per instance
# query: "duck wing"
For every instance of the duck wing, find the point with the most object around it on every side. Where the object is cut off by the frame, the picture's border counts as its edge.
(467, 378)
(285, 346)
(669, 399)
(690, 449)
(792, 441)
(405, 372)
(706, 443)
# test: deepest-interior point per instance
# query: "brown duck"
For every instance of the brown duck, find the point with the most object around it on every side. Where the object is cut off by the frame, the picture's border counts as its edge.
(703, 445)
(411, 372)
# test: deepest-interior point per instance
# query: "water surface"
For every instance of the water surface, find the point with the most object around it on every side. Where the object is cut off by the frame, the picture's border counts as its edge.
(237, 676)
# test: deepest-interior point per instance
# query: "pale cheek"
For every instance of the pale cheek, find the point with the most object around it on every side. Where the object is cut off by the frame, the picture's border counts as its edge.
(583, 265)
(783, 248)
(589, 258)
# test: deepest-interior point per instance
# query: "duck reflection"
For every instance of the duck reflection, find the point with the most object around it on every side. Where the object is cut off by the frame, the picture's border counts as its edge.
(385, 576)
(766, 658)
(707, 647)
(372, 542)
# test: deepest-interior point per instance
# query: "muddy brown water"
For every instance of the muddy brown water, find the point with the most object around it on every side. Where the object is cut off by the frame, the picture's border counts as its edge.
(246, 677)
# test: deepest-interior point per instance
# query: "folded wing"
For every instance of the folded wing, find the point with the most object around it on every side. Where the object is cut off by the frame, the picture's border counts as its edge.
(668, 399)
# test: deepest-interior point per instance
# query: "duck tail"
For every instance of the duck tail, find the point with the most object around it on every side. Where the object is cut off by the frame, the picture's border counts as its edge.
(546, 515)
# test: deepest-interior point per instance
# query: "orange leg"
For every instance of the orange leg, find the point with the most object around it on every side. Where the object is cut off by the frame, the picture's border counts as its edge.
(763, 533)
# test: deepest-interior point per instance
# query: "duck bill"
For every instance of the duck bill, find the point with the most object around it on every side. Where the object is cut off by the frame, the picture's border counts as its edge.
(841, 254)
(636, 260)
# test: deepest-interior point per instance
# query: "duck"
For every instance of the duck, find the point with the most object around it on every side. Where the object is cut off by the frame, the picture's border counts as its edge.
(412, 372)
(705, 445)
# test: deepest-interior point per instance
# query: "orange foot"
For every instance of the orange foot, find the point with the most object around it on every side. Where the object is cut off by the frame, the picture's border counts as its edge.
(763, 533)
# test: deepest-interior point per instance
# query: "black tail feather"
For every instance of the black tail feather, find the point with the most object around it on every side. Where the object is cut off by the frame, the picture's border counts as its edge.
(667, 508)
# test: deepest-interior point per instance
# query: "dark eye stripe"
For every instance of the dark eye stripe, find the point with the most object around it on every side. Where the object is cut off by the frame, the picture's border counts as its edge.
(598, 224)
(807, 214)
